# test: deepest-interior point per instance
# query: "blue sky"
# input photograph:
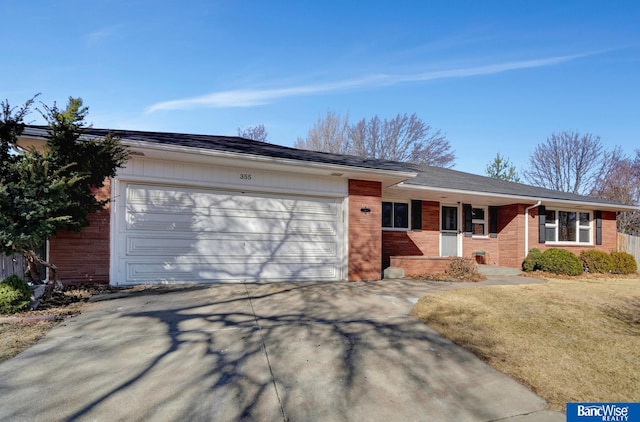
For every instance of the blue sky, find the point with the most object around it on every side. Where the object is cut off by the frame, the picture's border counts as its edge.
(493, 76)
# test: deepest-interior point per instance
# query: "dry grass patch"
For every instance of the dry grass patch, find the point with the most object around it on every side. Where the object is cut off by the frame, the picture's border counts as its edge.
(568, 340)
(16, 337)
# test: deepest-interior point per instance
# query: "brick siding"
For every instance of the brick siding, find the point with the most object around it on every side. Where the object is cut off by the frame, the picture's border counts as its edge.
(417, 252)
(365, 230)
(84, 257)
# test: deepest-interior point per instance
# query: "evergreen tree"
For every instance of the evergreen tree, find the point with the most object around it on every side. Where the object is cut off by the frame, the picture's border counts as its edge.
(52, 188)
(501, 168)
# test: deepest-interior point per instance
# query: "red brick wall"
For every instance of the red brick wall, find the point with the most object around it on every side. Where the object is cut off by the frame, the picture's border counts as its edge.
(418, 252)
(504, 249)
(417, 266)
(365, 230)
(414, 243)
(511, 236)
(84, 257)
(413, 248)
(609, 232)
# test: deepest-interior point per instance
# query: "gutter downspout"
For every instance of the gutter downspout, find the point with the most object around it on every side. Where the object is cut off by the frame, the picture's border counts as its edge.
(526, 226)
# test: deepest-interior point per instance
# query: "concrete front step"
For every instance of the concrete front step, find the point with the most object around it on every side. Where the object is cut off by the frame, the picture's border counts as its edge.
(496, 270)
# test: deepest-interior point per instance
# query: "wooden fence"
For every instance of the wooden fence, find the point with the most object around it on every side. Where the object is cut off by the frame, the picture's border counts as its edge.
(629, 244)
(16, 264)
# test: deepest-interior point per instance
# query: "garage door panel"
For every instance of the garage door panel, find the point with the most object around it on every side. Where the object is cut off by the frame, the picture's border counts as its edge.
(194, 234)
(146, 272)
(230, 224)
(295, 214)
(268, 246)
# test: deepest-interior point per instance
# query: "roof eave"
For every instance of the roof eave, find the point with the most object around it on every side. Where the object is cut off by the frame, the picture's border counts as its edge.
(521, 198)
(152, 150)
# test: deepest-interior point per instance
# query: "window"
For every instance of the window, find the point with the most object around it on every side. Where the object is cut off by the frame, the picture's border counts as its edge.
(479, 221)
(567, 226)
(395, 215)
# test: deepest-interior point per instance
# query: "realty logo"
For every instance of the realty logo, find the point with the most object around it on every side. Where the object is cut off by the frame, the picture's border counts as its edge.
(603, 412)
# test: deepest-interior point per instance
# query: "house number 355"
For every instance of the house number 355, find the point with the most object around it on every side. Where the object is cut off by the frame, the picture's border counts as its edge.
(245, 176)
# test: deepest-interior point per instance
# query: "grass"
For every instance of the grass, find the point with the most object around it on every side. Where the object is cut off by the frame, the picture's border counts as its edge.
(16, 337)
(568, 340)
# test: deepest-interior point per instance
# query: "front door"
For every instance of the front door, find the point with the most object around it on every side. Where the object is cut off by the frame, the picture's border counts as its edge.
(449, 232)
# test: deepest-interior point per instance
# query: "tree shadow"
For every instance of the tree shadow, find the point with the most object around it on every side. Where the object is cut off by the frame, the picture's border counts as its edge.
(183, 235)
(307, 351)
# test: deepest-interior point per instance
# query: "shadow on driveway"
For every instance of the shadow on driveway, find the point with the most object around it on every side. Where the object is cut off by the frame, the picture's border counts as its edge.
(268, 352)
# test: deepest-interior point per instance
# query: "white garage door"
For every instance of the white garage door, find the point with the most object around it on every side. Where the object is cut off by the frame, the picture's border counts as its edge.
(176, 234)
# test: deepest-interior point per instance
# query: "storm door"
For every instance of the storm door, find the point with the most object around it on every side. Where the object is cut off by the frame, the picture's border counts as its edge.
(449, 231)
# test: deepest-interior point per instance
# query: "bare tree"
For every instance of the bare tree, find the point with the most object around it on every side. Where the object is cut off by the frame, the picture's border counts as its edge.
(403, 138)
(570, 162)
(256, 133)
(329, 134)
(501, 168)
(622, 184)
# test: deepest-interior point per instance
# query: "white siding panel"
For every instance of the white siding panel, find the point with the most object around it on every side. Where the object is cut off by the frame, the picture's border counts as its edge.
(185, 234)
(175, 172)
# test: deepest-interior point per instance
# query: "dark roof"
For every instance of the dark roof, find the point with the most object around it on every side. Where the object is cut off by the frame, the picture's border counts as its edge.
(438, 177)
(237, 144)
(427, 176)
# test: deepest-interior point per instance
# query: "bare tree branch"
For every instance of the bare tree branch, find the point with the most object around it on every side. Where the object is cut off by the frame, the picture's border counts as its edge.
(255, 133)
(329, 134)
(622, 184)
(570, 162)
(402, 138)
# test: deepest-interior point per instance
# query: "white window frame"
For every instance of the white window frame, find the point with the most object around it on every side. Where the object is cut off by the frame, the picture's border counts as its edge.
(393, 208)
(555, 225)
(484, 221)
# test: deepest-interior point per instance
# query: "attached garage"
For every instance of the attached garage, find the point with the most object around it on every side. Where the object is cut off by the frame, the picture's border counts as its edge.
(186, 222)
(179, 234)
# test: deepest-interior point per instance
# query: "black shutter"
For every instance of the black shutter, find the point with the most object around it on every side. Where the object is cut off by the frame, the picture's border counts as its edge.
(468, 220)
(493, 221)
(598, 227)
(416, 214)
(542, 219)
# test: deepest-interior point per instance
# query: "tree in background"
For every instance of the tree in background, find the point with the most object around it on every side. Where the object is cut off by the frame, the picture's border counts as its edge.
(402, 138)
(43, 191)
(622, 184)
(570, 162)
(329, 134)
(501, 168)
(256, 133)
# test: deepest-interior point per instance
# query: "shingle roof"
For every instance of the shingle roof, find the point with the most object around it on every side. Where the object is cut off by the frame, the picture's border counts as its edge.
(427, 176)
(437, 177)
(237, 145)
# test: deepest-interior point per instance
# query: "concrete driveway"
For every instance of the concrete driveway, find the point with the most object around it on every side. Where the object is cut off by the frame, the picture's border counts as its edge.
(263, 352)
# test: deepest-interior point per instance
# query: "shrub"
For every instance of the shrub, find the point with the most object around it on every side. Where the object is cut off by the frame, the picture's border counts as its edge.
(530, 263)
(461, 268)
(596, 261)
(560, 261)
(623, 263)
(15, 295)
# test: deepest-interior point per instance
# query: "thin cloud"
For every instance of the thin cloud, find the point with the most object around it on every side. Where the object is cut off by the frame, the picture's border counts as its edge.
(100, 36)
(256, 97)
